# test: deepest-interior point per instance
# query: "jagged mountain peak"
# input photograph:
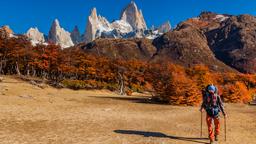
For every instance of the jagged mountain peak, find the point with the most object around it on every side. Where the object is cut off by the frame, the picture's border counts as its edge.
(130, 25)
(165, 27)
(56, 23)
(92, 25)
(59, 35)
(6, 32)
(35, 36)
(96, 25)
(76, 30)
(133, 16)
(7, 29)
(76, 36)
(94, 13)
(133, 3)
(33, 29)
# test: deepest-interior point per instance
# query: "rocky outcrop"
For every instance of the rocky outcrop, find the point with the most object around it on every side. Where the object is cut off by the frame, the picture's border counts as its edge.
(59, 35)
(131, 25)
(35, 36)
(76, 36)
(6, 32)
(206, 21)
(188, 47)
(234, 42)
(164, 28)
(231, 38)
(122, 26)
(132, 15)
(132, 49)
(95, 26)
(91, 29)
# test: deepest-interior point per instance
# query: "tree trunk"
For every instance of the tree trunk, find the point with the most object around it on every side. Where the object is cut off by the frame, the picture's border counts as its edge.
(28, 72)
(121, 84)
(17, 68)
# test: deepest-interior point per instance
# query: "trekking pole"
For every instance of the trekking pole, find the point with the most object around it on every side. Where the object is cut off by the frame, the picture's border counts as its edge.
(201, 134)
(225, 121)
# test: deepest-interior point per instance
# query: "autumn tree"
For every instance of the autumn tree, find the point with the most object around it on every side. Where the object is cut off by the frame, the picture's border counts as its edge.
(236, 93)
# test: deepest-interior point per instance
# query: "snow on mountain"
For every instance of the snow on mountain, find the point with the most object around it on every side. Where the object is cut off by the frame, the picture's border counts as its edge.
(99, 26)
(104, 25)
(132, 15)
(152, 34)
(122, 26)
(95, 24)
(35, 36)
(221, 17)
(131, 25)
(59, 35)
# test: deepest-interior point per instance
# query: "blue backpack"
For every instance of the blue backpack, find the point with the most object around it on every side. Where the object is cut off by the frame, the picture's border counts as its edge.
(211, 101)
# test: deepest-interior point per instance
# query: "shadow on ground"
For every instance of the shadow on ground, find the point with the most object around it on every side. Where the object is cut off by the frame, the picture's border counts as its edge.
(161, 135)
(140, 99)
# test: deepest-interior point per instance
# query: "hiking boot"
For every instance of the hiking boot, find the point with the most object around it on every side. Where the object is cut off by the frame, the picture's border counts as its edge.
(216, 137)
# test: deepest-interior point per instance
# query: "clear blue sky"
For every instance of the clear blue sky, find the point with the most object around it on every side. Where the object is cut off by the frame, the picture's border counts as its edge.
(23, 14)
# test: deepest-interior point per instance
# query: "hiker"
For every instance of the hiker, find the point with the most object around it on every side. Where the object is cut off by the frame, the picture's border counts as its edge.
(212, 104)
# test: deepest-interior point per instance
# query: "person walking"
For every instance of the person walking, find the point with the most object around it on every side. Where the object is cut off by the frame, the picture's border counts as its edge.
(213, 105)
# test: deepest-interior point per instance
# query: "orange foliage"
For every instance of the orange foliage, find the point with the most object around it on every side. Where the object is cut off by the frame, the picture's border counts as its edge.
(173, 86)
(202, 76)
(76, 69)
(237, 93)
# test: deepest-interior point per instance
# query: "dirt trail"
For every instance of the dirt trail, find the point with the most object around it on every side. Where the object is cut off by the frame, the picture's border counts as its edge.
(31, 115)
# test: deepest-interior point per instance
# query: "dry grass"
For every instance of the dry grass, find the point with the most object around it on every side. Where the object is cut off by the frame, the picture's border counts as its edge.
(31, 115)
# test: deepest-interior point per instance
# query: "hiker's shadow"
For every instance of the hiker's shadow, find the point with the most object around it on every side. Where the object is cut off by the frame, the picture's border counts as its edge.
(161, 135)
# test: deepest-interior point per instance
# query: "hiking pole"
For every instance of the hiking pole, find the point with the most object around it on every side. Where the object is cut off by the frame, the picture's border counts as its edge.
(225, 121)
(201, 134)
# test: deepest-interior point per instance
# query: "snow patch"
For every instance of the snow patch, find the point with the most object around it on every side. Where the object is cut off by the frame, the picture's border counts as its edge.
(122, 26)
(221, 18)
(13, 36)
(35, 43)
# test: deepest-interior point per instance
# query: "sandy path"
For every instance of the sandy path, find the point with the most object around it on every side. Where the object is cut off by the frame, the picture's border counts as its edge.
(30, 115)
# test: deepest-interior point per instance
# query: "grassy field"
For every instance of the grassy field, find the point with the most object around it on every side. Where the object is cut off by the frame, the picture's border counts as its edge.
(31, 115)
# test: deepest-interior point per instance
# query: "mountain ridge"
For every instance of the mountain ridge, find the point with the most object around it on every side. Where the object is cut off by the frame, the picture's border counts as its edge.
(220, 41)
(130, 25)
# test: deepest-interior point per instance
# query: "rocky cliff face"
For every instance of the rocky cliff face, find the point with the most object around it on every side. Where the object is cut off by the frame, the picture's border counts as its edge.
(76, 36)
(130, 25)
(132, 15)
(234, 42)
(164, 28)
(231, 38)
(59, 36)
(206, 21)
(187, 46)
(35, 36)
(96, 25)
(132, 49)
(6, 32)
(122, 26)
